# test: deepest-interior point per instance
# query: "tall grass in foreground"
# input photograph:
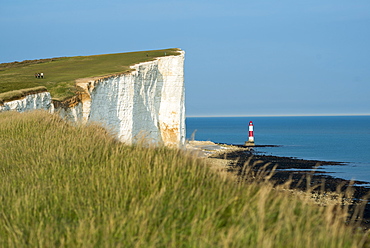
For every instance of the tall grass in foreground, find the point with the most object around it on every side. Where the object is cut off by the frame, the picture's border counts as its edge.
(66, 186)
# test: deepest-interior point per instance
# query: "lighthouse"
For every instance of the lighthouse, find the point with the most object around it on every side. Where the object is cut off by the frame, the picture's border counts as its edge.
(250, 141)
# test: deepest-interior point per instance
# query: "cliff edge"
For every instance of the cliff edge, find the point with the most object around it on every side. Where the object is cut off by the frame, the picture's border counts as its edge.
(146, 102)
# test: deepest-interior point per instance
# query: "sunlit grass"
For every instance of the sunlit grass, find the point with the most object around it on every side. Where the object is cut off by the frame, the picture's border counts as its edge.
(72, 186)
(16, 94)
(60, 73)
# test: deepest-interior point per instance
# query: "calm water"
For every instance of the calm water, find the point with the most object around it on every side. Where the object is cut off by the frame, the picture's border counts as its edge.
(331, 138)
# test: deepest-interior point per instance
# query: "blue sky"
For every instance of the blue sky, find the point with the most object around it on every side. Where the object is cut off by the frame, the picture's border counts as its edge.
(243, 57)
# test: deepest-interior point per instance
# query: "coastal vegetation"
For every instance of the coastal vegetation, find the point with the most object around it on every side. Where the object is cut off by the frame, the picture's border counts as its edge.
(60, 73)
(16, 94)
(66, 185)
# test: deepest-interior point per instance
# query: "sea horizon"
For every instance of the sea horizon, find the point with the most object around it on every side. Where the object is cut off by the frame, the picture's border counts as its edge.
(282, 115)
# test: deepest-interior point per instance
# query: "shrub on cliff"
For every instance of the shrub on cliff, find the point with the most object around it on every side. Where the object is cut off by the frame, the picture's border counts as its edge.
(72, 186)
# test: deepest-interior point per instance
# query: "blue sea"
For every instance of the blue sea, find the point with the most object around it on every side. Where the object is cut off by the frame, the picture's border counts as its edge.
(327, 138)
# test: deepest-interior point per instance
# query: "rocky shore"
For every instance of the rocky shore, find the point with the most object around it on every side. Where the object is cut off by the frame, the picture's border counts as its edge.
(303, 176)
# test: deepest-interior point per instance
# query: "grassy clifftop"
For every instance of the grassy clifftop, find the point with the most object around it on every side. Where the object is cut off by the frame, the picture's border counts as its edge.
(60, 73)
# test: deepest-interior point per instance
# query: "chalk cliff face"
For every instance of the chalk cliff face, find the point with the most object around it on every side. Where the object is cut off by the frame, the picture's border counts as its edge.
(146, 103)
(30, 102)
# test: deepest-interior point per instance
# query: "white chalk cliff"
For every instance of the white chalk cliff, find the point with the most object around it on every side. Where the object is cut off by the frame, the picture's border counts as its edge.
(40, 100)
(148, 102)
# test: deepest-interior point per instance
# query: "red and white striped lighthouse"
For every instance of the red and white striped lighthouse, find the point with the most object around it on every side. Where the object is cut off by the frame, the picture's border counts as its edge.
(251, 135)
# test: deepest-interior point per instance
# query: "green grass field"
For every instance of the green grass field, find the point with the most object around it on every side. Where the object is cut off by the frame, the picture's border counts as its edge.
(74, 186)
(61, 73)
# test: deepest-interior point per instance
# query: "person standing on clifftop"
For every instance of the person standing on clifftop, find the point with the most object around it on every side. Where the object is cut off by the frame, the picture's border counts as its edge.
(39, 75)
